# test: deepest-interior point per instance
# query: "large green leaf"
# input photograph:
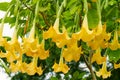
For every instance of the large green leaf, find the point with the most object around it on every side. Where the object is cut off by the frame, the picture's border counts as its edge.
(114, 55)
(4, 6)
(93, 18)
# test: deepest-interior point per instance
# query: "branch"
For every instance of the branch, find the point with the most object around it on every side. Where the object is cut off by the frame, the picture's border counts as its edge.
(40, 13)
(45, 19)
(89, 65)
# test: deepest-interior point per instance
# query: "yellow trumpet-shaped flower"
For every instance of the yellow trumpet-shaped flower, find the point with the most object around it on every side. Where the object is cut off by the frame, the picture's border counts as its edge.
(59, 38)
(97, 57)
(103, 72)
(15, 67)
(62, 40)
(10, 56)
(50, 33)
(61, 67)
(98, 29)
(100, 40)
(116, 66)
(42, 53)
(115, 43)
(72, 52)
(13, 49)
(32, 47)
(85, 34)
(32, 68)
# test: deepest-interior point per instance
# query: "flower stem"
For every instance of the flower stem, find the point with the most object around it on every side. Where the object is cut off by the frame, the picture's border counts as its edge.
(32, 32)
(99, 8)
(60, 9)
(4, 66)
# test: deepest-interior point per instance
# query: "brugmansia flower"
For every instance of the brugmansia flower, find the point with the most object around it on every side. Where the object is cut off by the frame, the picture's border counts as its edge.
(41, 51)
(100, 40)
(103, 72)
(13, 49)
(98, 29)
(32, 47)
(85, 34)
(97, 57)
(61, 67)
(115, 43)
(59, 38)
(72, 52)
(32, 67)
(15, 67)
(116, 66)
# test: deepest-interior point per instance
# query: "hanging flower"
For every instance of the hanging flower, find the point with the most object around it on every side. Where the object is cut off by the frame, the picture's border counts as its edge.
(103, 72)
(13, 49)
(59, 38)
(15, 67)
(72, 52)
(99, 29)
(97, 57)
(42, 53)
(85, 34)
(115, 43)
(32, 47)
(61, 67)
(100, 39)
(32, 68)
(116, 66)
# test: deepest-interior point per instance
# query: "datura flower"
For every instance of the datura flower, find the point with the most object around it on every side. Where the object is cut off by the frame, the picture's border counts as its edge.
(85, 34)
(115, 43)
(59, 38)
(103, 72)
(100, 40)
(32, 47)
(32, 67)
(97, 57)
(72, 52)
(116, 66)
(61, 67)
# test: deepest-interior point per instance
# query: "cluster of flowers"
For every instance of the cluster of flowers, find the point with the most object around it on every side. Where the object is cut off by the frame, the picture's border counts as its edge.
(15, 51)
(96, 38)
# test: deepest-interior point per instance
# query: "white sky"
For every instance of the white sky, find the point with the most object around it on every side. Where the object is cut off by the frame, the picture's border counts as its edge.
(6, 32)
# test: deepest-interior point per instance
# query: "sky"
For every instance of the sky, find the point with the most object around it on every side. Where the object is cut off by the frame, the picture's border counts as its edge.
(6, 32)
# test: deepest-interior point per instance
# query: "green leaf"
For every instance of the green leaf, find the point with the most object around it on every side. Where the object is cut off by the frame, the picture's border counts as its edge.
(73, 9)
(70, 3)
(4, 6)
(54, 78)
(42, 9)
(81, 75)
(114, 55)
(92, 18)
(75, 75)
